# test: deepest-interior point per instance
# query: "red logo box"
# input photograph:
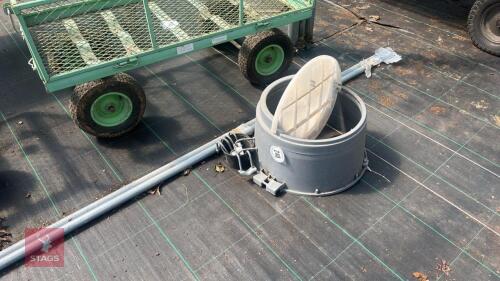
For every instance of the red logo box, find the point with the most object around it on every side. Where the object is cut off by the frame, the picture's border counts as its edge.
(44, 247)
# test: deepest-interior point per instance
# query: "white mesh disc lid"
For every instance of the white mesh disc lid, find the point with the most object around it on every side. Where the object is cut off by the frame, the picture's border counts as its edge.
(308, 100)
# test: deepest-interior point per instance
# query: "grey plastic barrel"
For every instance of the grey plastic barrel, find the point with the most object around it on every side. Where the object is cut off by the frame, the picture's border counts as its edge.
(322, 166)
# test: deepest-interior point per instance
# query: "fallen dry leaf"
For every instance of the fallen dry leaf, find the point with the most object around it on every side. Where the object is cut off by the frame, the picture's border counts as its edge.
(461, 38)
(401, 95)
(386, 101)
(481, 105)
(497, 120)
(438, 110)
(443, 267)
(420, 276)
(5, 236)
(373, 18)
(155, 191)
(219, 168)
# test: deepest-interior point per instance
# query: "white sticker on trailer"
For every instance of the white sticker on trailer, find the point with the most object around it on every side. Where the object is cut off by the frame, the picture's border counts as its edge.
(169, 24)
(185, 49)
(219, 39)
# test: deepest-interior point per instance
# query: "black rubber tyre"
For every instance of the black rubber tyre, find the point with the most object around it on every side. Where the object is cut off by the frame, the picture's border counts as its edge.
(87, 94)
(484, 25)
(251, 48)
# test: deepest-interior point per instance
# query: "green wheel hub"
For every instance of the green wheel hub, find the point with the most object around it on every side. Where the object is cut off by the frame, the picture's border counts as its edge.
(269, 60)
(490, 23)
(111, 109)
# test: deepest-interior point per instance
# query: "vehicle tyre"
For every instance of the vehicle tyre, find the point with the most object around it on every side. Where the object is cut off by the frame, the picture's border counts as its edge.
(265, 56)
(108, 107)
(484, 25)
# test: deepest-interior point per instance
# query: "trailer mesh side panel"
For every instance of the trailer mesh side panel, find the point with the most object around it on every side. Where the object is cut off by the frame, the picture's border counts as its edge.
(74, 40)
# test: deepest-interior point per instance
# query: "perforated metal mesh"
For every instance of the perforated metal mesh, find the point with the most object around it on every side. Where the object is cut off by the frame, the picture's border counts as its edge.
(41, 8)
(79, 39)
(57, 43)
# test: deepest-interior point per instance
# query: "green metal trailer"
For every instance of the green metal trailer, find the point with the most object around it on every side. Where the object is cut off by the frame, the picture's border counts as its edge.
(90, 43)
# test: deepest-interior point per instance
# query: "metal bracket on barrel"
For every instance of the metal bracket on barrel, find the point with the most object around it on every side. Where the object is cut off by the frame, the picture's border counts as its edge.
(232, 146)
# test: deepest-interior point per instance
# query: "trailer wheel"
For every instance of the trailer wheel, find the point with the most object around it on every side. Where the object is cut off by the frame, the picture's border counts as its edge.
(484, 25)
(265, 56)
(108, 107)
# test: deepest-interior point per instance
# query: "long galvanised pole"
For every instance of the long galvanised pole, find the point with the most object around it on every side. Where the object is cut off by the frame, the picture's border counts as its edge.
(114, 200)
(121, 196)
